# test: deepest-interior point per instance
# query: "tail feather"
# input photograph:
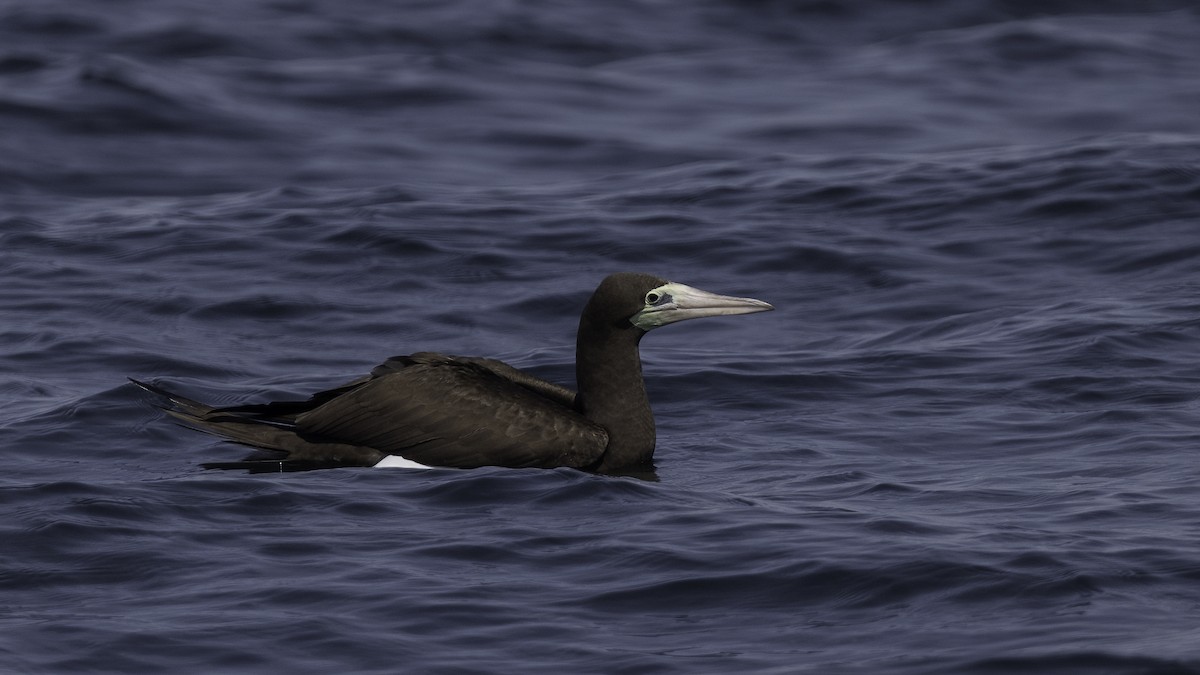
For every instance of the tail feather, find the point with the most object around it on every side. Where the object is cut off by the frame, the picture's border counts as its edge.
(266, 465)
(181, 403)
(250, 425)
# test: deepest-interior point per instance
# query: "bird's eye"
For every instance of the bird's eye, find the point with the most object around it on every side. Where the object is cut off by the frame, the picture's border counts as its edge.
(652, 298)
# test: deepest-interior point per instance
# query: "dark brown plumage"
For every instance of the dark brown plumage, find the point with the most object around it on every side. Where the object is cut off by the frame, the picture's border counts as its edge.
(452, 411)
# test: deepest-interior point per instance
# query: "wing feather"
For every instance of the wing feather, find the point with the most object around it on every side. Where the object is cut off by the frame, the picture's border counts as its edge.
(446, 411)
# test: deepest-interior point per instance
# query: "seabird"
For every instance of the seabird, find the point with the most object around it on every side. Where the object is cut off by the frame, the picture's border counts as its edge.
(434, 410)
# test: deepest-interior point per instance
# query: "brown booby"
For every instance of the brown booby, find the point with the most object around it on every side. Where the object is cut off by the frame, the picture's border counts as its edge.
(435, 410)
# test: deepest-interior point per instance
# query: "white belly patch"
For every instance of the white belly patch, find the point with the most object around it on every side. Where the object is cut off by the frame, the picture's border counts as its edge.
(398, 462)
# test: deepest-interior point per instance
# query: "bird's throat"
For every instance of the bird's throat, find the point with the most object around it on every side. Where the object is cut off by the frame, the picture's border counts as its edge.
(612, 393)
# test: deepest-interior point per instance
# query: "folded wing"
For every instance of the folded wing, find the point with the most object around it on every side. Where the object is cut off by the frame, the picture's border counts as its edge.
(446, 411)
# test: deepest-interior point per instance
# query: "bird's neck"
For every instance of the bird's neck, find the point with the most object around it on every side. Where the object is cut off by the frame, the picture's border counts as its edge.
(608, 370)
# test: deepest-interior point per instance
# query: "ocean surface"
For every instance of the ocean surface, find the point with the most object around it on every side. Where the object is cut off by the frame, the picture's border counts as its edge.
(966, 442)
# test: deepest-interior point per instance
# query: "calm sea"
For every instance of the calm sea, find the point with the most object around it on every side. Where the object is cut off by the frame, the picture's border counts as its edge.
(967, 441)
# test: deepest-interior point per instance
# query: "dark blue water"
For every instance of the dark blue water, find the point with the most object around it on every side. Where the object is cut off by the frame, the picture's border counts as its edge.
(968, 440)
